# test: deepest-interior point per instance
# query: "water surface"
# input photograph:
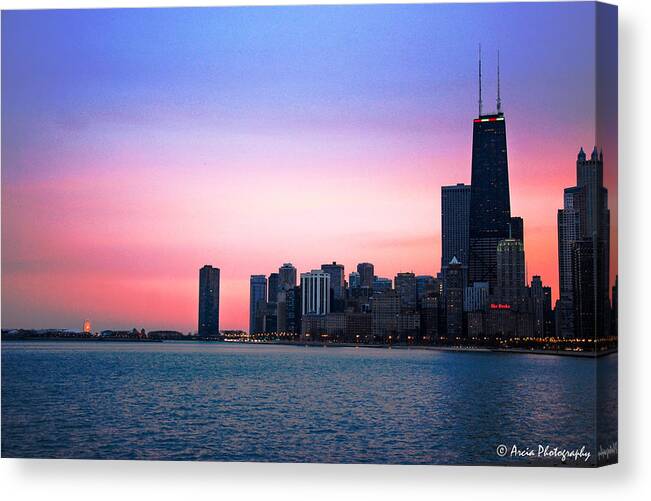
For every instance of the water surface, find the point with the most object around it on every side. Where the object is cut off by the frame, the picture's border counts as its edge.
(233, 402)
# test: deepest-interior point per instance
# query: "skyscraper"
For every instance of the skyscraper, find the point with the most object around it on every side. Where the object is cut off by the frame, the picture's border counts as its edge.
(455, 217)
(273, 285)
(595, 234)
(381, 284)
(257, 301)
(569, 231)
(511, 281)
(475, 298)
(366, 273)
(208, 301)
(407, 290)
(287, 276)
(454, 286)
(538, 302)
(315, 288)
(516, 229)
(426, 285)
(490, 206)
(584, 253)
(354, 280)
(337, 279)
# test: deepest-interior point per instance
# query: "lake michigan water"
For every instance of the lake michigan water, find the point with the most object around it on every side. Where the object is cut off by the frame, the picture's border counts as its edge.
(234, 402)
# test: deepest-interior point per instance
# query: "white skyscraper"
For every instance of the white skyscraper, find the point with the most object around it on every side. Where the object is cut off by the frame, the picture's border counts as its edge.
(315, 289)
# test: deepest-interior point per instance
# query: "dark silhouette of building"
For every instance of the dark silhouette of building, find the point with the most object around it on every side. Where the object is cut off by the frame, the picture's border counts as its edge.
(583, 309)
(455, 218)
(490, 206)
(511, 281)
(381, 284)
(429, 319)
(273, 286)
(366, 273)
(569, 231)
(337, 284)
(426, 286)
(287, 276)
(517, 228)
(354, 281)
(538, 302)
(208, 301)
(454, 286)
(293, 310)
(257, 302)
(385, 309)
(406, 287)
(549, 329)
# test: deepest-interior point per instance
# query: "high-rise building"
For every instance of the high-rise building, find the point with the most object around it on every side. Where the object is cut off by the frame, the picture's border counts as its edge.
(366, 273)
(315, 287)
(569, 231)
(257, 301)
(406, 287)
(293, 310)
(475, 298)
(511, 280)
(273, 286)
(490, 206)
(455, 218)
(381, 284)
(429, 319)
(337, 279)
(426, 285)
(385, 310)
(287, 276)
(454, 286)
(208, 301)
(590, 319)
(549, 330)
(583, 309)
(538, 302)
(354, 281)
(517, 228)
(596, 231)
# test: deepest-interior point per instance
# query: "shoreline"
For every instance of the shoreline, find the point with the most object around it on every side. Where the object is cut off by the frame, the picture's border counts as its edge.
(451, 349)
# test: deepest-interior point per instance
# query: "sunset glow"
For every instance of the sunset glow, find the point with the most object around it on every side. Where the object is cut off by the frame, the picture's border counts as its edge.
(139, 145)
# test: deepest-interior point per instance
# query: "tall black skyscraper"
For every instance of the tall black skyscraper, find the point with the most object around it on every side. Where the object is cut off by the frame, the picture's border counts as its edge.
(490, 207)
(208, 301)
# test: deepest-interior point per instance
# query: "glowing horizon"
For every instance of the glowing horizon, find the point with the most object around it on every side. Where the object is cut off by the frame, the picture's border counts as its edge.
(139, 145)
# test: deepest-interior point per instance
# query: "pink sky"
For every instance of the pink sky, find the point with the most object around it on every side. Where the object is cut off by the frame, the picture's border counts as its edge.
(264, 136)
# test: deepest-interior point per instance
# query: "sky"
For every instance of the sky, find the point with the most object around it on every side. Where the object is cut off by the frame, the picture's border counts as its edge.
(140, 144)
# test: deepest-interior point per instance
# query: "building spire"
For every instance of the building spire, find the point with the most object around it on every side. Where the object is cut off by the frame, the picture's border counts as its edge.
(499, 100)
(480, 103)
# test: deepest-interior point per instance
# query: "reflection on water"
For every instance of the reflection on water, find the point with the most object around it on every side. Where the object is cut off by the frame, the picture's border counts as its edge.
(222, 402)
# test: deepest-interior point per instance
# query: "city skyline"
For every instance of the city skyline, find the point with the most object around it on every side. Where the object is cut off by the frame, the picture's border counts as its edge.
(403, 188)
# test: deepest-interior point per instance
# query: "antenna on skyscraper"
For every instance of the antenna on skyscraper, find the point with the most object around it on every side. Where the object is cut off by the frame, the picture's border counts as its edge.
(499, 100)
(479, 79)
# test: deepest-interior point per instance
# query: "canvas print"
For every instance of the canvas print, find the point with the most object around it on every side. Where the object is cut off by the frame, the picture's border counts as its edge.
(329, 234)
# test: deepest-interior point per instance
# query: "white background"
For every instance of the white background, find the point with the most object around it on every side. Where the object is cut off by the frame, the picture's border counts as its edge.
(112, 480)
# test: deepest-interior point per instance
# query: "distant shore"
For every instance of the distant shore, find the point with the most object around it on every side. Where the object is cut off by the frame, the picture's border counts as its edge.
(453, 349)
